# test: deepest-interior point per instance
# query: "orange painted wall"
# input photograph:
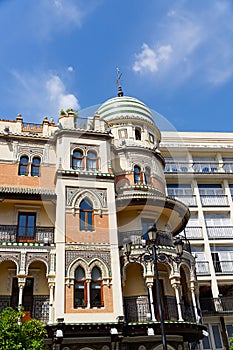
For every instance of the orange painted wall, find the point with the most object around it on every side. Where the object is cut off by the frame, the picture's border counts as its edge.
(99, 235)
(9, 177)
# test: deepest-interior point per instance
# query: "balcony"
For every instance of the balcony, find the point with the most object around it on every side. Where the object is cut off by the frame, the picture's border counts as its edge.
(205, 167)
(163, 238)
(39, 309)
(202, 268)
(214, 200)
(223, 267)
(188, 199)
(8, 234)
(137, 309)
(228, 167)
(216, 306)
(177, 167)
(220, 232)
(193, 232)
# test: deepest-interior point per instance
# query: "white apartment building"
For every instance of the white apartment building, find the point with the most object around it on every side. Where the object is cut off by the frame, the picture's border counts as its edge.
(199, 172)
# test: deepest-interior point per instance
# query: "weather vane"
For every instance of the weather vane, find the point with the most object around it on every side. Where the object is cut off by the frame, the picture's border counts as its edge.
(119, 74)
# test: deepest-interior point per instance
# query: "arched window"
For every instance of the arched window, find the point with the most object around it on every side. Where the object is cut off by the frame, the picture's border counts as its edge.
(147, 175)
(96, 298)
(86, 216)
(80, 293)
(77, 159)
(137, 174)
(137, 134)
(35, 167)
(23, 165)
(92, 160)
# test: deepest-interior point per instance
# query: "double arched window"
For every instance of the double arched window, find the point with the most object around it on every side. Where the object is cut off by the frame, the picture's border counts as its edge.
(86, 215)
(79, 161)
(24, 166)
(142, 177)
(88, 295)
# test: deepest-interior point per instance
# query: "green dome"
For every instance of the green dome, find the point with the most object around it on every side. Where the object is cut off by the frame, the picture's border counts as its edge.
(125, 107)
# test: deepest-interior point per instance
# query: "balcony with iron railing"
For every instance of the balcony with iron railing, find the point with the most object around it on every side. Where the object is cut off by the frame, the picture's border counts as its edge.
(202, 268)
(41, 234)
(220, 232)
(216, 306)
(137, 309)
(214, 200)
(223, 267)
(39, 308)
(193, 232)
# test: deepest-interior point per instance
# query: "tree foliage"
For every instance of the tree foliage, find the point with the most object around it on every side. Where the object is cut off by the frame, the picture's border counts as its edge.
(17, 335)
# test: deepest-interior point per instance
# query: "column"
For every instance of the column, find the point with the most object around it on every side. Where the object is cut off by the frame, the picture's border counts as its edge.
(192, 287)
(88, 294)
(176, 287)
(21, 284)
(151, 299)
(51, 289)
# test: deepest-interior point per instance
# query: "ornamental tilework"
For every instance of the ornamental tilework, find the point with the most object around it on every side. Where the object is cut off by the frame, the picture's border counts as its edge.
(72, 255)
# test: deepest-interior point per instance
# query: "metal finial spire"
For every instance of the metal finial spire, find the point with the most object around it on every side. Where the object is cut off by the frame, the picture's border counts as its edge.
(118, 82)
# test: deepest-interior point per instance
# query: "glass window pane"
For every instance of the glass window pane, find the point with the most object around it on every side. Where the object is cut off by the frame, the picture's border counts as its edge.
(217, 336)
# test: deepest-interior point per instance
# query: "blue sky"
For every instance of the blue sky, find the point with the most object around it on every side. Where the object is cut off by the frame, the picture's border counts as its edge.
(175, 55)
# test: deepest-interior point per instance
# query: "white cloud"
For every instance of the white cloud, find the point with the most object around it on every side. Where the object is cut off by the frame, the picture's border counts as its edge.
(196, 42)
(58, 96)
(70, 69)
(38, 94)
(149, 60)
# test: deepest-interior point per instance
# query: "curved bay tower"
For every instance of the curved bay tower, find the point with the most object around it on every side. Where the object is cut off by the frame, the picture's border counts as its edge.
(90, 242)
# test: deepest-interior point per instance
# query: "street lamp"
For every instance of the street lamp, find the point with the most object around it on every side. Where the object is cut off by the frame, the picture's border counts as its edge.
(151, 254)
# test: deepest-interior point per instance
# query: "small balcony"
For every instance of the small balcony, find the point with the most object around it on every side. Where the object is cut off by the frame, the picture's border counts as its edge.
(177, 167)
(216, 306)
(223, 267)
(220, 232)
(42, 234)
(193, 232)
(137, 309)
(214, 200)
(205, 167)
(202, 268)
(189, 200)
(39, 308)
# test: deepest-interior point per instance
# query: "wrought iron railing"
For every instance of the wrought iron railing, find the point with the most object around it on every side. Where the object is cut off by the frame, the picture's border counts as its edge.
(137, 309)
(220, 232)
(39, 309)
(215, 306)
(223, 267)
(9, 233)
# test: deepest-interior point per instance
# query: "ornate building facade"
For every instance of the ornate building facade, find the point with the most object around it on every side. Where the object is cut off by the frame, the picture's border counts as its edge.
(72, 196)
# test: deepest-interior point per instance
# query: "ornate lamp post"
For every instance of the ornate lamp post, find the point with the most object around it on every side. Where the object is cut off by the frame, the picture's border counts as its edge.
(151, 254)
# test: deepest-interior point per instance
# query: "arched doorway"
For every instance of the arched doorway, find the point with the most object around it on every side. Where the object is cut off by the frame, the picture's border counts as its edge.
(135, 294)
